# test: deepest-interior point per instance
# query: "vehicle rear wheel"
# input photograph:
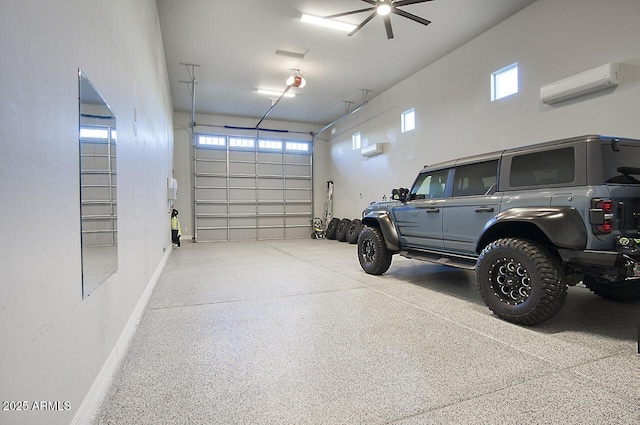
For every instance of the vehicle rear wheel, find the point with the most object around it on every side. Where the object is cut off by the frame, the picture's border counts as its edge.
(343, 226)
(373, 254)
(354, 231)
(520, 281)
(626, 291)
(332, 227)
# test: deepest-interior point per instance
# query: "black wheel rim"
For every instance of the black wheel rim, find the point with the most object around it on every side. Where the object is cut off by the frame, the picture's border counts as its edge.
(510, 281)
(368, 251)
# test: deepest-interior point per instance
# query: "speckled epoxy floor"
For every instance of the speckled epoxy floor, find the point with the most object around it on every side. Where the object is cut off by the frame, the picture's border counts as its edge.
(293, 332)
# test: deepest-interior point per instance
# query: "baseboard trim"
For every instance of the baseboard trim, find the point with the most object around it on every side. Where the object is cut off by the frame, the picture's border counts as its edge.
(101, 384)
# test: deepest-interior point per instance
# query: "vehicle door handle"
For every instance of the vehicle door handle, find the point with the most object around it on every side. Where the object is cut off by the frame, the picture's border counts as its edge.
(433, 210)
(484, 209)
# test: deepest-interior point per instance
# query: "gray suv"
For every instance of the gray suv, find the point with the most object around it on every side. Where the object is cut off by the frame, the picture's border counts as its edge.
(531, 221)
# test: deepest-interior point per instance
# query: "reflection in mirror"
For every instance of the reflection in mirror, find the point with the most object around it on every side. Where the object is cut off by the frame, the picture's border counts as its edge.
(98, 201)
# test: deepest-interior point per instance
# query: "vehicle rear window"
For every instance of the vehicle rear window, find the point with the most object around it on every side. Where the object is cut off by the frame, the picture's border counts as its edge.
(556, 166)
(621, 166)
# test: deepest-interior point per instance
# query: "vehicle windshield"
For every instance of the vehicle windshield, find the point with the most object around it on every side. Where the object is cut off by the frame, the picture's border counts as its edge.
(621, 166)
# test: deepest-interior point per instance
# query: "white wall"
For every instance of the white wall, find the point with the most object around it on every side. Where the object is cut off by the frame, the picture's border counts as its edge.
(550, 40)
(213, 124)
(55, 344)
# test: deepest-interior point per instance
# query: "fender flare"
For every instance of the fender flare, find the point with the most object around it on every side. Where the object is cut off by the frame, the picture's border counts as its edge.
(563, 226)
(382, 219)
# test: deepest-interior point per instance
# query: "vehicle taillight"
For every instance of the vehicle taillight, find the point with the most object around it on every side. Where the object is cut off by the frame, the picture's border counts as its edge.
(605, 204)
(601, 215)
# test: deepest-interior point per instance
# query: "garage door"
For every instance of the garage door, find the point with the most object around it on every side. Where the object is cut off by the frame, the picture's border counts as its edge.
(249, 188)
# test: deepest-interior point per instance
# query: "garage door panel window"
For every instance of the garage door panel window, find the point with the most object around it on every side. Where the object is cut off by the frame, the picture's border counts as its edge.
(270, 144)
(237, 142)
(298, 147)
(211, 141)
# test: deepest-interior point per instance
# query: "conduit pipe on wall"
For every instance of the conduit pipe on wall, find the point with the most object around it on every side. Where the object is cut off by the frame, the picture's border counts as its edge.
(338, 119)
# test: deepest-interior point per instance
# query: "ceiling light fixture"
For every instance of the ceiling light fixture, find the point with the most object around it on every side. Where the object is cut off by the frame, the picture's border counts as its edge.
(383, 9)
(275, 93)
(296, 79)
(328, 23)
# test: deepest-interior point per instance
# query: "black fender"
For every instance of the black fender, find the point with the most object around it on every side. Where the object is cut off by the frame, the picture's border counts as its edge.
(563, 226)
(382, 219)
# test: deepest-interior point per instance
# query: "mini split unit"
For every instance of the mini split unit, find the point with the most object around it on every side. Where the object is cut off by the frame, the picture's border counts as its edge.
(371, 150)
(590, 81)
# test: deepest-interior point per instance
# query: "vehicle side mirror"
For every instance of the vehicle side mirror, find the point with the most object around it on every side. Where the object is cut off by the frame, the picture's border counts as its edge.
(400, 194)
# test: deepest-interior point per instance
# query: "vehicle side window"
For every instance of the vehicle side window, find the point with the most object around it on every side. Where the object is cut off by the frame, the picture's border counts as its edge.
(430, 185)
(475, 179)
(543, 168)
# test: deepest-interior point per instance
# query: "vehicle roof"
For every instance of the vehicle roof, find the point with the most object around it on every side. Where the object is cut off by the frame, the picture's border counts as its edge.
(497, 154)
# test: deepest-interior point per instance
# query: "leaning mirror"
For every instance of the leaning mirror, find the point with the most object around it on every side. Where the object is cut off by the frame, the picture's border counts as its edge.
(98, 200)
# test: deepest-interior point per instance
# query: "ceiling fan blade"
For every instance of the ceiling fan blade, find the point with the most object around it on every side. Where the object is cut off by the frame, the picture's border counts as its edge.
(401, 3)
(411, 16)
(370, 1)
(337, 15)
(363, 23)
(387, 26)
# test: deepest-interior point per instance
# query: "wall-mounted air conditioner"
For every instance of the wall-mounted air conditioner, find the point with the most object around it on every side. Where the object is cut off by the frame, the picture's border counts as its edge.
(371, 150)
(590, 81)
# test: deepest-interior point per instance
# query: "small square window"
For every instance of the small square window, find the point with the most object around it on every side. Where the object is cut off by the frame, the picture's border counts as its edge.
(504, 82)
(356, 141)
(408, 120)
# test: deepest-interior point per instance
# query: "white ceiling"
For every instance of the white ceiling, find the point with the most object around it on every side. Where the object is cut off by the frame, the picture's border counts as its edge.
(234, 42)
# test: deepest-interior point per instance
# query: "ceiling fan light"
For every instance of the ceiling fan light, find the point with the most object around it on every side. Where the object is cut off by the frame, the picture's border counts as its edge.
(383, 9)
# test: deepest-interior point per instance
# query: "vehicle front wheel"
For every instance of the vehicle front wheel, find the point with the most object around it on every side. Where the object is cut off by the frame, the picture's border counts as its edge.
(373, 254)
(520, 281)
(626, 291)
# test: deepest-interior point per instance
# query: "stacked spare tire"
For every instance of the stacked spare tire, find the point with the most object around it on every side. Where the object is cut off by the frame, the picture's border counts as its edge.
(344, 230)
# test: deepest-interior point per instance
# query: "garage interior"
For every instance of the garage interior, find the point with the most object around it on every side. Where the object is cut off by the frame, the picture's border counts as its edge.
(251, 320)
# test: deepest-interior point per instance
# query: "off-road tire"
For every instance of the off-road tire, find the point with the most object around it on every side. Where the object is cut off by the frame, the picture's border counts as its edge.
(373, 254)
(627, 291)
(332, 227)
(521, 281)
(354, 231)
(341, 232)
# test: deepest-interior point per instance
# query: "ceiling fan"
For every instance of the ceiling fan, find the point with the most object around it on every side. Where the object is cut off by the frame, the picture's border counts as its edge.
(384, 8)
